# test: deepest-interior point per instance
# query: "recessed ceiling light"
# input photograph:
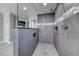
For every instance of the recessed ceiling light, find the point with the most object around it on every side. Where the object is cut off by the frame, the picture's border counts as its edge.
(24, 8)
(44, 4)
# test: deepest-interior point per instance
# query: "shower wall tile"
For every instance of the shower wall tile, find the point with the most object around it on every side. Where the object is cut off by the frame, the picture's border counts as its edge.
(45, 32)
(67, 41)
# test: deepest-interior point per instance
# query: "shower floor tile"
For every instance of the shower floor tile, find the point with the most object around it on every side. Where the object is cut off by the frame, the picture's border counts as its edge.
(44, 49)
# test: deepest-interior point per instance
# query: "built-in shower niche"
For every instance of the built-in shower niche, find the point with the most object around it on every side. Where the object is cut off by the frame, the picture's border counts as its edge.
(65, 26)
(56, 28)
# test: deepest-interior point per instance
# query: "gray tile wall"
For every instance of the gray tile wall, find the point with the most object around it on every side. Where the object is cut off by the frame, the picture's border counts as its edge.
(45, 32)
(67, 41)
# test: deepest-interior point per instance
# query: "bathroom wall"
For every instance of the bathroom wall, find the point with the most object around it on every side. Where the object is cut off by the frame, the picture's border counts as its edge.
(8, 26)
(6, 9)
(59, 12)
(13, 24)
(46, 31)
(66, 39)
(1, 26)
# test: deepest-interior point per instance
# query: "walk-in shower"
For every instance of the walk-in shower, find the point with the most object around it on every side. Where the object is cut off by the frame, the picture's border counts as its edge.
(39, 29)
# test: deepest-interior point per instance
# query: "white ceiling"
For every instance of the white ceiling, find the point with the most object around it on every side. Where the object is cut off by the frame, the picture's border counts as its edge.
(38, 8)
(33, 9)
(23, 14)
